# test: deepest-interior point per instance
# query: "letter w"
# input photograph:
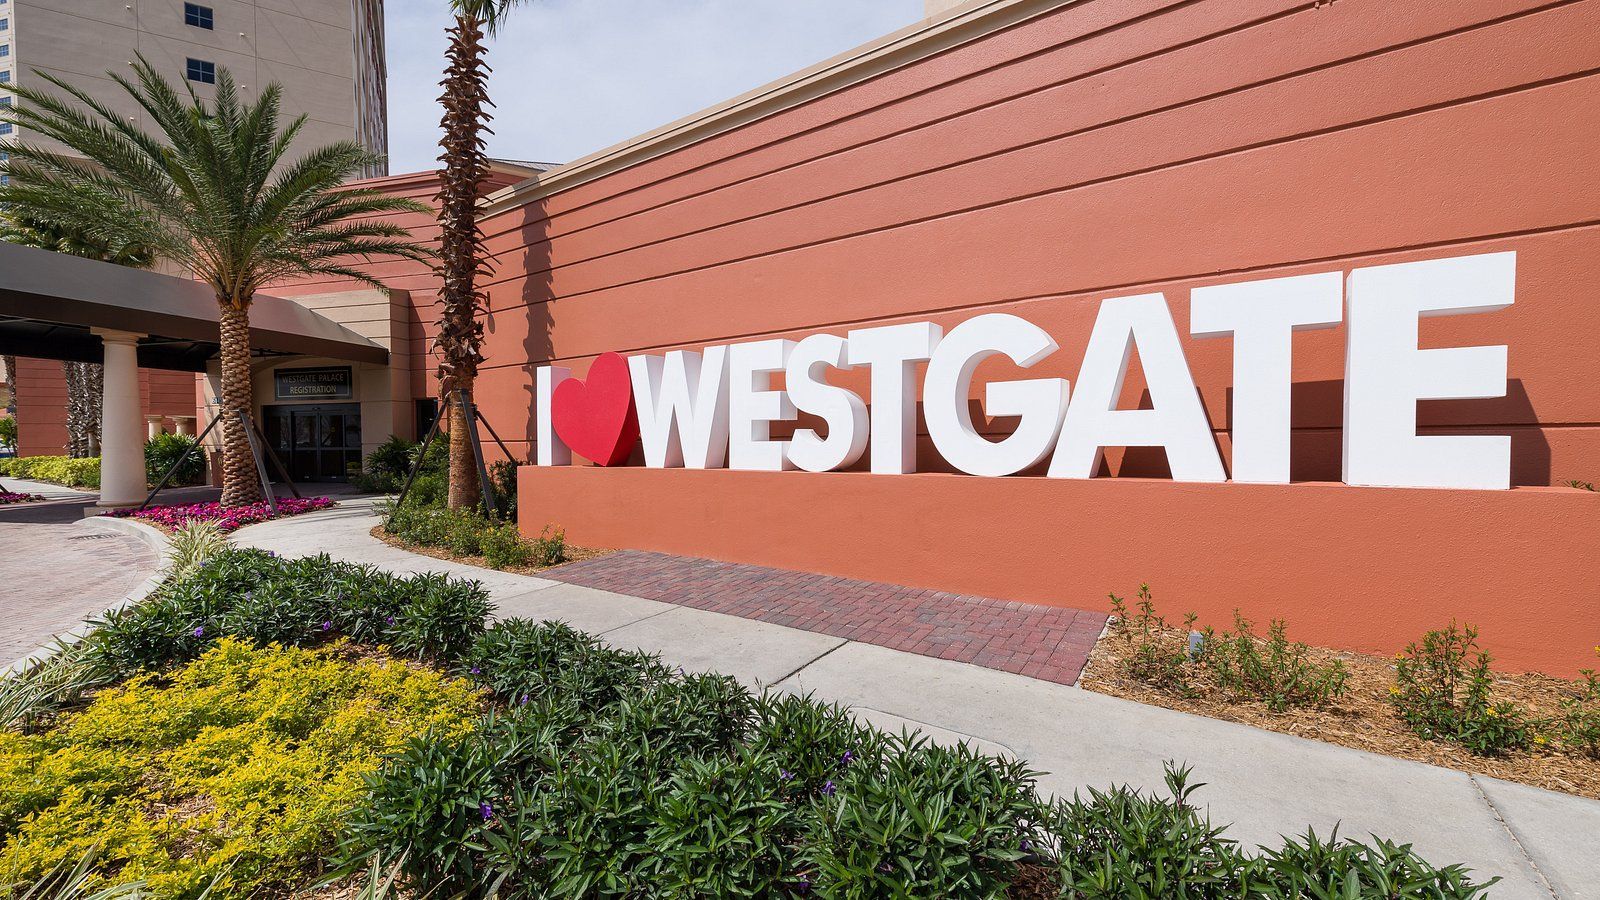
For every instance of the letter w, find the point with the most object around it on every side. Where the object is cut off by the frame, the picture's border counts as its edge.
(682, 401)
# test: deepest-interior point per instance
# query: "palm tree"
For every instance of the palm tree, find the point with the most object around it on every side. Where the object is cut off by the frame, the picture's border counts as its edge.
(213, 190)
(85, 380)
(459, 343)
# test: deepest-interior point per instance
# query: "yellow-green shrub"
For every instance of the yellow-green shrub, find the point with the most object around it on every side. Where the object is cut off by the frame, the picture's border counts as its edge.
(245, 763)
(65, 470)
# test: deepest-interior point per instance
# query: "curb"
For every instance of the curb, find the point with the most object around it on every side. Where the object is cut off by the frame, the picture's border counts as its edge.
(152, 537)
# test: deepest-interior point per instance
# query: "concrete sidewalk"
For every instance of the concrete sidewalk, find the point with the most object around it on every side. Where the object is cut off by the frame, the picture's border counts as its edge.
(1542, 844)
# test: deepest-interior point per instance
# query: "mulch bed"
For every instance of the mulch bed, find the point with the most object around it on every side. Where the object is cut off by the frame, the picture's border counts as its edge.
(574, 554)
(1364, 718)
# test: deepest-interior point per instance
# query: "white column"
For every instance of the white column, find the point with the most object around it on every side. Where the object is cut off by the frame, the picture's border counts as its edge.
(121, 438)
(184, 425)
(152, 427)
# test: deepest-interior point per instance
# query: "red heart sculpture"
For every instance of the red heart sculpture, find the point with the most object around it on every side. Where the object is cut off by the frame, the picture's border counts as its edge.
(595, 416)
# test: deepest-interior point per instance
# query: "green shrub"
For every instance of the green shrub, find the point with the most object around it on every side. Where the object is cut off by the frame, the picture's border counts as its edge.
(929, 821)
(462, 536)
(467, 533)
(253, 594)
(385, 468)
(8, 432)
(1578, 726)
(504, 548)
(1443, 698)
(1272, 670)
(606, 774)
(1313, 868)
(240, 766)
(723, 827)
(440, 617)
(521, 661)
(550, 547)
(163, 451)
(62, 470)
(503, 476)
(1121, 842)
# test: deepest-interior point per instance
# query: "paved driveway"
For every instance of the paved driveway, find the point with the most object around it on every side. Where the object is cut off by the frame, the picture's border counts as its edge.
(56, 570)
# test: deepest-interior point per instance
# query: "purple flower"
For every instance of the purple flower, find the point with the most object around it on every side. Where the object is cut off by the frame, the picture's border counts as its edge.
(476, 670)
(524, 700)
(828, 790)
(388, 620)
(847, 757)
(327, 626)
(785, 775)
(200, 631)
(486, 809)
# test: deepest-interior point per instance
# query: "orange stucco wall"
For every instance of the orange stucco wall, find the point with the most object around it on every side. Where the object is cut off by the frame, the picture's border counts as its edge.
(1100, 149)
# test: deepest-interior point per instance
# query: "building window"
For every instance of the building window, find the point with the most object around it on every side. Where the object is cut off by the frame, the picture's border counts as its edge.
(202, 71)
(198, 16)
(5, 127)
(5, 76)
(5, 24)
(5, 50)
(5, 102)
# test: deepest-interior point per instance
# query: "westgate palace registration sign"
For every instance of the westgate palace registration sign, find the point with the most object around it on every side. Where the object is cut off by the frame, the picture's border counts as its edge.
(714, 408)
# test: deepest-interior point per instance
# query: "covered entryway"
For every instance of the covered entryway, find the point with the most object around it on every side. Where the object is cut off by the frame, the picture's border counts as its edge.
(55, 306)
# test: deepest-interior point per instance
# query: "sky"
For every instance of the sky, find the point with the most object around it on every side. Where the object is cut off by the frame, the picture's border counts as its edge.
(575, 76)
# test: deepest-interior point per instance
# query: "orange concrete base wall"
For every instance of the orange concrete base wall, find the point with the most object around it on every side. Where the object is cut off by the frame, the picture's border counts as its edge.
(1354, 568)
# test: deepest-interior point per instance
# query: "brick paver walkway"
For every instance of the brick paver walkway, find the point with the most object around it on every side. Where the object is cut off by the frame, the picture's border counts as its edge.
(53, 576)
(1046, 642)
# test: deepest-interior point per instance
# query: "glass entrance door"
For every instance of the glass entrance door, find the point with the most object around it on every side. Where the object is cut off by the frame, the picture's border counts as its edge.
(316, 442)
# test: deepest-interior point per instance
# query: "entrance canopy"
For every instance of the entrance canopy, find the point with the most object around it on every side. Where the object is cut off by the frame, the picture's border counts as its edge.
(50, 301)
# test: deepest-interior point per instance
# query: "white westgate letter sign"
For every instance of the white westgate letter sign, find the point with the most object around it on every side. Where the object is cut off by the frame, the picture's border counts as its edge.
(715, 407)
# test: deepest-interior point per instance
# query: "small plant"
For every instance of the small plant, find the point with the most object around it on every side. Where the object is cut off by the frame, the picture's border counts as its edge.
(1123, 843)
(504, 548)
(9, 497)
(929, 821)
(1157, 656)
(164, 450)
(1272, 670)
(1314, 868)
(1580, 485)
(550, 547)
(1442, 691)
(192, 545)
(1578, 726)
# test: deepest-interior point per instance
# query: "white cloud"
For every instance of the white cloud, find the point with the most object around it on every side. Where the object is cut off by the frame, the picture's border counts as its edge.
(575, 76)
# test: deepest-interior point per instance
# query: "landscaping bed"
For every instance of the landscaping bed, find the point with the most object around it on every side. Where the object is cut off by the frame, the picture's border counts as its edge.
(227, 518)
(569, 553)
(268, 727)
(1144, 658)
(7, 498)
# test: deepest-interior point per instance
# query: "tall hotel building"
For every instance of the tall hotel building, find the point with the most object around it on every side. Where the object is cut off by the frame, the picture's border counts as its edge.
(327, 54)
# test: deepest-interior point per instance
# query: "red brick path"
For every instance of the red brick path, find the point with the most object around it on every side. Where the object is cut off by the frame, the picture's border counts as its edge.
(1047, 642)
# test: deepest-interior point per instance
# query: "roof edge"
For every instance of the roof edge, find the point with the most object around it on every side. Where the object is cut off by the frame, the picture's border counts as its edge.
(958, 25)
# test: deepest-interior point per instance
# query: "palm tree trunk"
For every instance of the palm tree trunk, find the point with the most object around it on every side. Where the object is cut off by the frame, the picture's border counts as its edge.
(464, 487)
(240, 485)
(461, 257)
